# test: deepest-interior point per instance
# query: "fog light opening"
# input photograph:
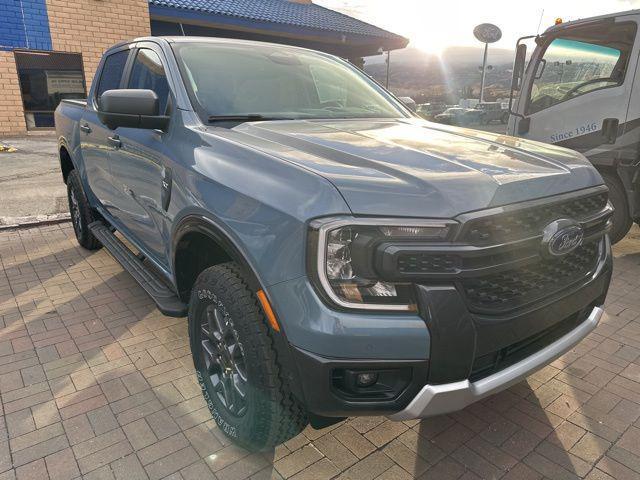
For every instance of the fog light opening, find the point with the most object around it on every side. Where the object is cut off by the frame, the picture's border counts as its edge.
(366, 379)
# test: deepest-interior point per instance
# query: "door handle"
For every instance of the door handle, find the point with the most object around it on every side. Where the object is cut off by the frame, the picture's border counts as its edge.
(115, 141)
(85, 128)
(610, 129)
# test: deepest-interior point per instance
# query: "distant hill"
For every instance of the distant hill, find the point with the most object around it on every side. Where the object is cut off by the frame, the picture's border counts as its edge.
(452, 75)
(451, 55)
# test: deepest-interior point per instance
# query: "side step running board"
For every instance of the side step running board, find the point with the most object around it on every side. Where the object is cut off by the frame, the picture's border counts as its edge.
(166, 299)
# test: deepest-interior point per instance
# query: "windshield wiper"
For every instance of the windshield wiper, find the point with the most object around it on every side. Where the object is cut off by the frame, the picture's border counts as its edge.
(252, 117)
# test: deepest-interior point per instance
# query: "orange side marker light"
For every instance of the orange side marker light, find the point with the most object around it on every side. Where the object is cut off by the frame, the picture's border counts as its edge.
(268, 311)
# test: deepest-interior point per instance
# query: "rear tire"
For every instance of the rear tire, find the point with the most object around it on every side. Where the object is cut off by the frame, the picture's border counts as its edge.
(81, 214)
(248, 397)
(622, 221)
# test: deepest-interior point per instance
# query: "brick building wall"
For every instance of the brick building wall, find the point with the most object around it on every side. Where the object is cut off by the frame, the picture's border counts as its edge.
(91, 26)
(11, 115)
(88, 27)
(25, 24)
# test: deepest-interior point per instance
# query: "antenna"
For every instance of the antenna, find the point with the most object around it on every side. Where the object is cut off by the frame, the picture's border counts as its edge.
(540, 22)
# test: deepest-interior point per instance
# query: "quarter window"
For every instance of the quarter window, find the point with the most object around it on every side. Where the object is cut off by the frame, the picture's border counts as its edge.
(148, 73)
(581, 63)
(112, 72)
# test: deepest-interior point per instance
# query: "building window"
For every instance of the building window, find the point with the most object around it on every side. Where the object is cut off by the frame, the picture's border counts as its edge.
(45, 79)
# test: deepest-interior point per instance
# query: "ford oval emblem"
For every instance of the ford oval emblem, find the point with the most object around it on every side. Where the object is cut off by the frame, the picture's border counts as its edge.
(561, 237)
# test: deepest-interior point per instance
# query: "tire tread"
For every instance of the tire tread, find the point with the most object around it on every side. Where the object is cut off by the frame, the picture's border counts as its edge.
(88, 240)
(286, 417)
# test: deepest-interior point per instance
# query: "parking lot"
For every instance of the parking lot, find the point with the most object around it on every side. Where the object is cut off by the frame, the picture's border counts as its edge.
(95, 382)
(30, 186)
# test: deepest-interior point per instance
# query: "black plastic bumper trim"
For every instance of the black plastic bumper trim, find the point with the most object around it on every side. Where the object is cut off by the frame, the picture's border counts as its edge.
(320, 398)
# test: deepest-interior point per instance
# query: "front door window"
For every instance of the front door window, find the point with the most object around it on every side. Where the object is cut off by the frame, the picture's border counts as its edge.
(148, 73)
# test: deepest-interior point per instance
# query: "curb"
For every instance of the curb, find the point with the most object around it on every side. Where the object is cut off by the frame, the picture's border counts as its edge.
(14, 223)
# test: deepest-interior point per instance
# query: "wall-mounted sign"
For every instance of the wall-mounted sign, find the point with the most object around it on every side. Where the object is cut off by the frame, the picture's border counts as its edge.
(64, 82)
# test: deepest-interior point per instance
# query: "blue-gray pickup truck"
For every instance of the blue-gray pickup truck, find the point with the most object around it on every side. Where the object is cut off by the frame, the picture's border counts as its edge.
(336, 255)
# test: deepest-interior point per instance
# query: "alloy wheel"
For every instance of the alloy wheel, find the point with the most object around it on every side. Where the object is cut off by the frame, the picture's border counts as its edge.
(75, 213)
(224, 359)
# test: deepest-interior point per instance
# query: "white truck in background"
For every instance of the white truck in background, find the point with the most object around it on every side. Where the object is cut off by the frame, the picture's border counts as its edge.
(581, 90)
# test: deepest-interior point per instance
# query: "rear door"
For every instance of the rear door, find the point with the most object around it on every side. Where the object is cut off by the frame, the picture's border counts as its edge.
(579, 94)
(95, 140)
(140, 164)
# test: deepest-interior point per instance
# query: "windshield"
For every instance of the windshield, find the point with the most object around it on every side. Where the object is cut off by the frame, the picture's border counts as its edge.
(277, 82)
(570, 67)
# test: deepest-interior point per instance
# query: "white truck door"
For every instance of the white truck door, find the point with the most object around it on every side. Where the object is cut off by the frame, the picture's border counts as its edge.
(578, 92)
(629, 142)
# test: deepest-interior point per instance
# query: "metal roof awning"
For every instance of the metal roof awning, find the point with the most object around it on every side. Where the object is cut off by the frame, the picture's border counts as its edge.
(282, 21)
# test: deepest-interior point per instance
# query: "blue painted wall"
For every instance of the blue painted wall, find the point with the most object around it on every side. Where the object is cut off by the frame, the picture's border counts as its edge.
(24, 24)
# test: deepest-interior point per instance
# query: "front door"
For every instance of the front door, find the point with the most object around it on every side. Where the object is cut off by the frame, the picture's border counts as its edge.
(139, 164)
(579, 93)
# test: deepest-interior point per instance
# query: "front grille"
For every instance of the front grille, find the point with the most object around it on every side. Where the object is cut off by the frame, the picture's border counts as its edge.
(530, 221)
(490, 363)
(520, 286)
(427, 263)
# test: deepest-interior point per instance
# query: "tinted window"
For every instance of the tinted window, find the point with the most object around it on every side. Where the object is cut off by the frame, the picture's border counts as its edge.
(112, 72)
(277, 82)
(148, 73)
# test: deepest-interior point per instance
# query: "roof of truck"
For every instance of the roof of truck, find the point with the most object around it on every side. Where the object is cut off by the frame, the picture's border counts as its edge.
(199, 39)
(571, 23)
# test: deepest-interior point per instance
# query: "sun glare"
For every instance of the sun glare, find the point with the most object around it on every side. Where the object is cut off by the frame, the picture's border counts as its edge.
(429, 36)
(428, 44)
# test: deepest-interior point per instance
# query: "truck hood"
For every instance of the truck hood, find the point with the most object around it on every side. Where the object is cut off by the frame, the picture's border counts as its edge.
(414, 168)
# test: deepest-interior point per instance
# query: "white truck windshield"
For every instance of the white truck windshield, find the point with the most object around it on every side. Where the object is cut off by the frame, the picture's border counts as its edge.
(579, 63)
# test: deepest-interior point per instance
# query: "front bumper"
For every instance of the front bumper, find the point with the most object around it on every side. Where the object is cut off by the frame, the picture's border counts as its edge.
(440, 354)
(440, 399)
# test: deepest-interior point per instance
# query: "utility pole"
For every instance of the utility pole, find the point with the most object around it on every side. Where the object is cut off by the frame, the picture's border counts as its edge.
(388, 66)
(484, 71)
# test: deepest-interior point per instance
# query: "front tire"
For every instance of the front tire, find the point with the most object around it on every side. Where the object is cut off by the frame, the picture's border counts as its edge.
(81, 214)
(622, 221)
(236, 363)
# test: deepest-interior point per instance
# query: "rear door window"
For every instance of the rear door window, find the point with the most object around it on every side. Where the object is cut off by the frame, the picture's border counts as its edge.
(112, 71)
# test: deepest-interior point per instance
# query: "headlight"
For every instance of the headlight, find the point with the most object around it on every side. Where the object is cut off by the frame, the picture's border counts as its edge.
(342, 255)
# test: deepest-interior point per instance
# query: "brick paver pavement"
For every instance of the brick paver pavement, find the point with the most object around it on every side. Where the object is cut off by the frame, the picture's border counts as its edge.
(95, 382)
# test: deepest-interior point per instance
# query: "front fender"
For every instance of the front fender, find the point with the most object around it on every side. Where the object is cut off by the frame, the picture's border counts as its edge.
(198, 220)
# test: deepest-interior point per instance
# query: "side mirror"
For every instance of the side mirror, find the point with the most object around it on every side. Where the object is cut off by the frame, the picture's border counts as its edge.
(518, 67)
(409, 103)
(132, 108)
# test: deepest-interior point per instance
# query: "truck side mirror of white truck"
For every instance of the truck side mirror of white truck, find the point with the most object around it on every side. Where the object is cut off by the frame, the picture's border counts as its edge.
(133, 108)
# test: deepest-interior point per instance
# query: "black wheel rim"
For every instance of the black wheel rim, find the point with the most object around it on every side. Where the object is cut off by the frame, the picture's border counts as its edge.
(224, 360)
(75, 213)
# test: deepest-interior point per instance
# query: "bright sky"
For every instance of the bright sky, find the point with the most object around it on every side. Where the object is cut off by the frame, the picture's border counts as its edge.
(433, 25)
